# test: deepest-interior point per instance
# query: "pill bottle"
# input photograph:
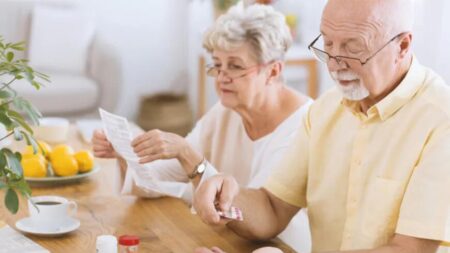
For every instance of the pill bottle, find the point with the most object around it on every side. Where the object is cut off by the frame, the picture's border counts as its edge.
(106, 244)
(128, 244)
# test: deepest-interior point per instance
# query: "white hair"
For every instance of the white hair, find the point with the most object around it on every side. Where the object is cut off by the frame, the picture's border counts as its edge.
(259, 25)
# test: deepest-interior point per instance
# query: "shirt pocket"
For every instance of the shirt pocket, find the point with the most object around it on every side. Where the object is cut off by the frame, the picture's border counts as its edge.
(381, 209)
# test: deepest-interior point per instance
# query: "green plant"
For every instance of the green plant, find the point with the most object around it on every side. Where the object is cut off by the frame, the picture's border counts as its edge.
(223, 5)
(15, 113)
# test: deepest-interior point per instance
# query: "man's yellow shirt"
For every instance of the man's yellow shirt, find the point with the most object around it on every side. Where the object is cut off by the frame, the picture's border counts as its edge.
(365, 177)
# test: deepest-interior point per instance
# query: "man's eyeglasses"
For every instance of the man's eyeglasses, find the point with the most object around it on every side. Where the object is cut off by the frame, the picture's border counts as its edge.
(326, 57)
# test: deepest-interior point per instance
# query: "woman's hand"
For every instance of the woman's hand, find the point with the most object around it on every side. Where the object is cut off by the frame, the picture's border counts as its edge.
(155, 144)
(101, 146)
(206, 250)
(217, 250)
(268, 250)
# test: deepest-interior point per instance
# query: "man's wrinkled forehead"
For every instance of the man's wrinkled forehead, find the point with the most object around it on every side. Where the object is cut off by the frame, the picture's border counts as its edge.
(387, 15)
(359, 12)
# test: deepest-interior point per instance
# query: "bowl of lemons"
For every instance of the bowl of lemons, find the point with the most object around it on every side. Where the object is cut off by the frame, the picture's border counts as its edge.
(57, 165)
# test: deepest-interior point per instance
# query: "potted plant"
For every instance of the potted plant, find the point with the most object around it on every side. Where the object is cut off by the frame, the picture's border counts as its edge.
(221, 6)
(15, 113)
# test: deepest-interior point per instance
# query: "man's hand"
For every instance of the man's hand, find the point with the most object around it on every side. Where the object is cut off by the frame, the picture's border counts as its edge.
(218, 191)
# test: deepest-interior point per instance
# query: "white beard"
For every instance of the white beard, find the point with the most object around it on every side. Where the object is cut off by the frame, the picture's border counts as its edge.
(355, 91)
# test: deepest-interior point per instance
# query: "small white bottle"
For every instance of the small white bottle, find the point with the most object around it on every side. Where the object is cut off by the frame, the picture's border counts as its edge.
(106, 244)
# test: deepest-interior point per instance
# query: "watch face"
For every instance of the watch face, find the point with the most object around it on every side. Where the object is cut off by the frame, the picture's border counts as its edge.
(201, 168)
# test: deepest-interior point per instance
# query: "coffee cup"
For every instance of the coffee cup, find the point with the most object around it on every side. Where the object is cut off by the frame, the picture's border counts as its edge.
(46, 211)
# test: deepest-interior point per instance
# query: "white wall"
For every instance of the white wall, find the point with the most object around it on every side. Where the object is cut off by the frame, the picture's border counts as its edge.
(432, 36)
(151, 38)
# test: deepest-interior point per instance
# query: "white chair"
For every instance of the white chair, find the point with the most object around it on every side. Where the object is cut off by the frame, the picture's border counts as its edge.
(72, 93)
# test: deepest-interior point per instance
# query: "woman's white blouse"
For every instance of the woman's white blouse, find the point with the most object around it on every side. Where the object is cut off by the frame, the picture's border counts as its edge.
(221, 137)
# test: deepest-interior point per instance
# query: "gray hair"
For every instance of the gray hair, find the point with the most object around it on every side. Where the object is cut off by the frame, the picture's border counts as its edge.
(259, 25)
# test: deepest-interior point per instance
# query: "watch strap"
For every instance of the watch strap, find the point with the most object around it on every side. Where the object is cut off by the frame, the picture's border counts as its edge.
(196, 171)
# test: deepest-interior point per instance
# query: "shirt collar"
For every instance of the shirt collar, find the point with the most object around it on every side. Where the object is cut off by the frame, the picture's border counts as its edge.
(400, 96)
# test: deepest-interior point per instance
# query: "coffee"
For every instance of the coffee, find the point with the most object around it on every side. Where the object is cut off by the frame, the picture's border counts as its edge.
(50, 210)
(47, 203)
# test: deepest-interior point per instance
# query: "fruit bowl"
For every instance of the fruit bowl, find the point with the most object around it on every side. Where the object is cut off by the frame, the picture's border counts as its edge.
(55, 180)
(46, 165)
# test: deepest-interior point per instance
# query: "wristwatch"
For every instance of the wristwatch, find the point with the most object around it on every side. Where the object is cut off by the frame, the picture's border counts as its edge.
(199, 169)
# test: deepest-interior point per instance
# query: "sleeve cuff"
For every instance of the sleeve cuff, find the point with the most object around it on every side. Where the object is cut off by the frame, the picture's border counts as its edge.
(209, 172)
(280, 191)
(137, 184)
(421, 230)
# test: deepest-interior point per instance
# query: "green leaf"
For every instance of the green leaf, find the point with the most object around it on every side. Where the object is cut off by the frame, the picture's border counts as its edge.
(18, 155)
(42, 76)
(10, 56)
(28, 108)
(5, 120)
(36, 85)
(29, 75)
(18, 46)
(18, 118)
(13, 162)
(5, 94)
(2, 159)
(3, 185)
(17, 134)
(31, 141)
(12, 201)
(23, 187)
(18, 103)
(32, 112)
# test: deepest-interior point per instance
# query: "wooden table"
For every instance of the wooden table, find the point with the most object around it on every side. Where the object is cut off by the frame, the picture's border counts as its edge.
(164, 225)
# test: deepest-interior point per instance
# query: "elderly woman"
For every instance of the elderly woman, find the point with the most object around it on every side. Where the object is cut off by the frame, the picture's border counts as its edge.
(245, 134)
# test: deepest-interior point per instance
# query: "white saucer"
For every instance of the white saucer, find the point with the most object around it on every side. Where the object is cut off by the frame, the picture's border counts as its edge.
(26, 225)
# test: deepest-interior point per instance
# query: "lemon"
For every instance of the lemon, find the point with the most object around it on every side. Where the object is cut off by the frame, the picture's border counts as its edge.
(85, 160)
(61, 150)
(64, 165)
(40, 156)
(43, 149)
(29, 151)
(34, 166)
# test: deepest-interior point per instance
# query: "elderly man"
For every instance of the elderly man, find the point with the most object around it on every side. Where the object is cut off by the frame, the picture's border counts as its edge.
(372, 158)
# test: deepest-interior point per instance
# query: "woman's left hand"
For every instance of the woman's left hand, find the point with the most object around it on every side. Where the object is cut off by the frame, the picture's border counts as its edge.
(156, 144)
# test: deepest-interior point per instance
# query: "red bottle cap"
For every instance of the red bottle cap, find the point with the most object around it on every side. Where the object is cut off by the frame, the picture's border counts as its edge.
(128, 240)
